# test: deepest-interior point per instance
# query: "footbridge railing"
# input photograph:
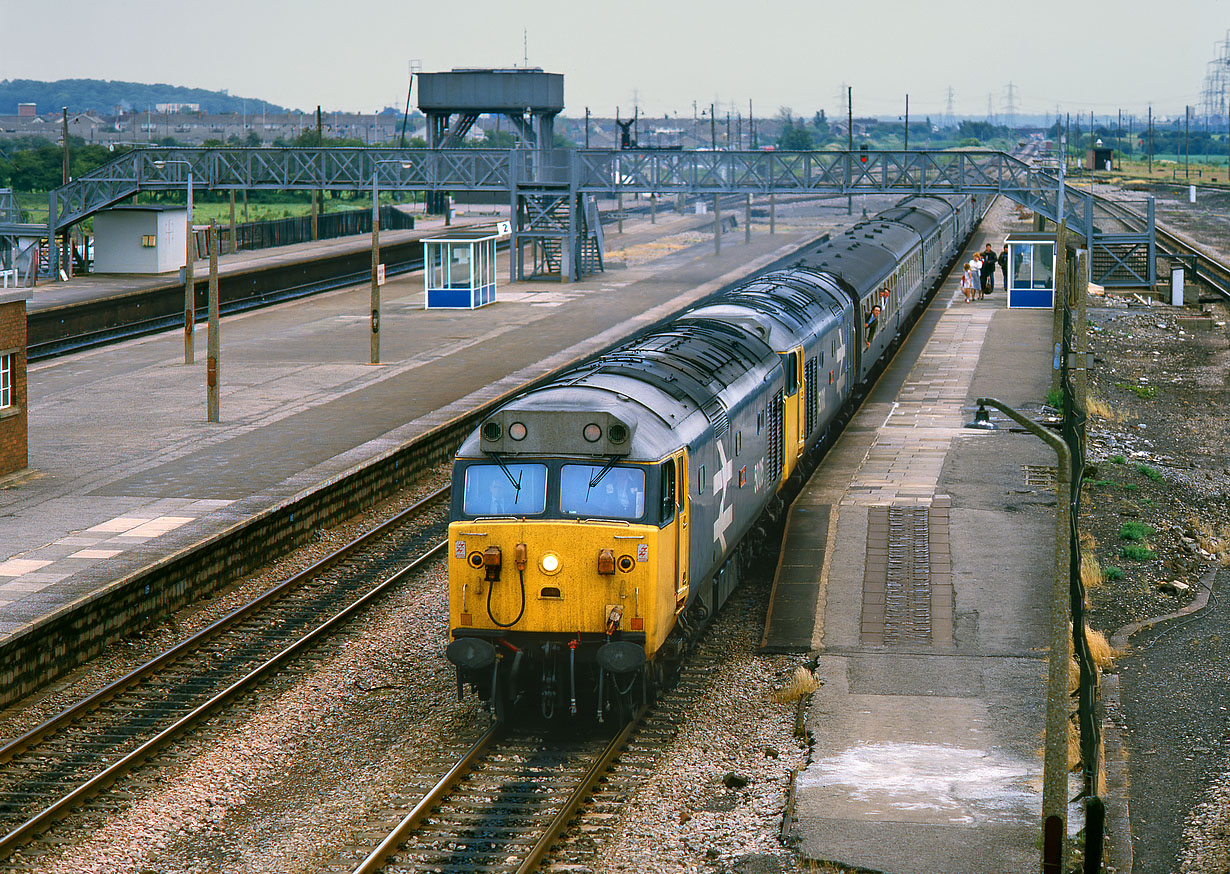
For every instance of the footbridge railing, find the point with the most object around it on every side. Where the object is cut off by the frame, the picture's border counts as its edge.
(610, 172)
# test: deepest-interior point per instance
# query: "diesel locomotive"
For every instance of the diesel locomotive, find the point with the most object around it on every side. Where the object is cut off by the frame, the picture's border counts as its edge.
(599, 520)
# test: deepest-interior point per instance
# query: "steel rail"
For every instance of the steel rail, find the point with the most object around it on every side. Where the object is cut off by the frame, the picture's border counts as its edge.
(1209, 269)
(36, 735)
(91, 339)
(583, 790)
(113, 772)
(23, 833)
(409, 824)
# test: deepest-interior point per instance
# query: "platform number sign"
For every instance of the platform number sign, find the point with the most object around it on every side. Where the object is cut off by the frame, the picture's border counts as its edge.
(459, 549)
(642, 552)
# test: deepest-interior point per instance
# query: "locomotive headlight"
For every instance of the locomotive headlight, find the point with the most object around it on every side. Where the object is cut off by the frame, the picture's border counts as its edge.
(517, 430)
(549, 563)
(592, 432)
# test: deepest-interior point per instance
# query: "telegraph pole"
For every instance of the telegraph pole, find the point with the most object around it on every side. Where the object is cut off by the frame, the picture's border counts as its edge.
(907, 123)
(849, 142)
(1187, 120)
(1150, 139)
(712, 129)
(67, 249)
(214, 341)
(1119, 143)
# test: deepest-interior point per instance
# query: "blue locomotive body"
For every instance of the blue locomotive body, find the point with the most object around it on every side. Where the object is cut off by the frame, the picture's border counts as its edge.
(639, 480)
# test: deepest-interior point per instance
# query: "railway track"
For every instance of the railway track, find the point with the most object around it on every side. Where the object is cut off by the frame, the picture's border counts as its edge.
(60, 765)
(91, 339)
(1209, 270)
(514, 802)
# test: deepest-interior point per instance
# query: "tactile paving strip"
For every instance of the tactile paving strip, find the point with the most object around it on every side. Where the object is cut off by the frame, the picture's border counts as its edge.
(907, 584)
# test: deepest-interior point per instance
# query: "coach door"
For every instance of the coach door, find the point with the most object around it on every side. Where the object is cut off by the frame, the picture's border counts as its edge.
(682, 509)
(793, 418)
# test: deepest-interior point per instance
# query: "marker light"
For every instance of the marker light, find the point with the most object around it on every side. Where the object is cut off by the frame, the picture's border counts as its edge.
(549, 563)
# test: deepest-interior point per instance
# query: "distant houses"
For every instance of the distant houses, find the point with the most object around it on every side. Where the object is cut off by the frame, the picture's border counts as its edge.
(188, 126)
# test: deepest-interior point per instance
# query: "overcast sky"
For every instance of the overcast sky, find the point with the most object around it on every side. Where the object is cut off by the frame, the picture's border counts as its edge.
(1075, 55)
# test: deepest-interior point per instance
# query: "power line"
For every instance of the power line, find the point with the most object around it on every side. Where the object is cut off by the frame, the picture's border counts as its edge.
(1010, 105)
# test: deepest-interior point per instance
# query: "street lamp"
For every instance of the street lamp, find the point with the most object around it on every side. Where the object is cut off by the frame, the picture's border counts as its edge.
(189, 258)
(376, 277)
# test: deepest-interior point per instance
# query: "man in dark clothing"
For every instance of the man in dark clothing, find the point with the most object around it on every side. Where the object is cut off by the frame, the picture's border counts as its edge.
(1003, 265)
(988, 269)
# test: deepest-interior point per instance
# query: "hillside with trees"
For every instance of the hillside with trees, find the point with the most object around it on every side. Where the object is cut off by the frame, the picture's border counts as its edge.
(103, 96)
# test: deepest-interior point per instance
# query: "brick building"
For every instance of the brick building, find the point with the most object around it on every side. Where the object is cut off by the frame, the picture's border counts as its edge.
(13, 422)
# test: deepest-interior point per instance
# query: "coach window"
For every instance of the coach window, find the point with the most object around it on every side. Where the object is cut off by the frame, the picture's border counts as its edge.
(6, 380)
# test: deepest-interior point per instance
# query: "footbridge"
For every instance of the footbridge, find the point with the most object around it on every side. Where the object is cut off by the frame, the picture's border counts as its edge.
(551, 192)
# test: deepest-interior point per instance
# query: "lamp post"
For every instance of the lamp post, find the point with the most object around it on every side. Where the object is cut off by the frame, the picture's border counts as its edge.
(1055, 759)
(376, 278)
(189, 258)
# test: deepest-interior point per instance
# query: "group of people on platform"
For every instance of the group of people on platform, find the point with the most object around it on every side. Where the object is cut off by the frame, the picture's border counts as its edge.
(978, 279)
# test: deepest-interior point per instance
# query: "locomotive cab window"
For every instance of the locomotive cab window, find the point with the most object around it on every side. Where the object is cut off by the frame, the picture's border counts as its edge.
(511, 490)
(594, 490)
(668, 492)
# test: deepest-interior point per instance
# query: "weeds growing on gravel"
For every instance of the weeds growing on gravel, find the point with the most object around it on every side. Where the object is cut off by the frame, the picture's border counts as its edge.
(1100, 409)
(1117, 459)
(1110, 572)
(1150, 472)
(1091, 571)
(801, 684)
(1135, 530)
(1134, 552)
(1099, 648)
(1144, 392)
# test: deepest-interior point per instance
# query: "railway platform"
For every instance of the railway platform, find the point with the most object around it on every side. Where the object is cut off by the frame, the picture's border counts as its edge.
(917, 566)
(125, 472)
(90, 287)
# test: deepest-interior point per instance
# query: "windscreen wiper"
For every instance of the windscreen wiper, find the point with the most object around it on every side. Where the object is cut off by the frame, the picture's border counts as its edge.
(597, 478)
(516, 483)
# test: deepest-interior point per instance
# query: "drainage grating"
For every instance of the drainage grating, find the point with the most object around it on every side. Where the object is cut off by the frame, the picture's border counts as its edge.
(1039, 476)
(907, 585)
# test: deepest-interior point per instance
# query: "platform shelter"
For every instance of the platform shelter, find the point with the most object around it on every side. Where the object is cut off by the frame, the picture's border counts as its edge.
(460, 270)
(1031, 270)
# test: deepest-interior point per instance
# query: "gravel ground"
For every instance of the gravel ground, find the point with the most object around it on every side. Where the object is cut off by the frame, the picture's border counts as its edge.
(296, 776)
(1158, 439)
(688, 819)
(300, 774)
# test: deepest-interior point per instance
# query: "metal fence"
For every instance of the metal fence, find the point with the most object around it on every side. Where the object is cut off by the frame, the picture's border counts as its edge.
(298, 229)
